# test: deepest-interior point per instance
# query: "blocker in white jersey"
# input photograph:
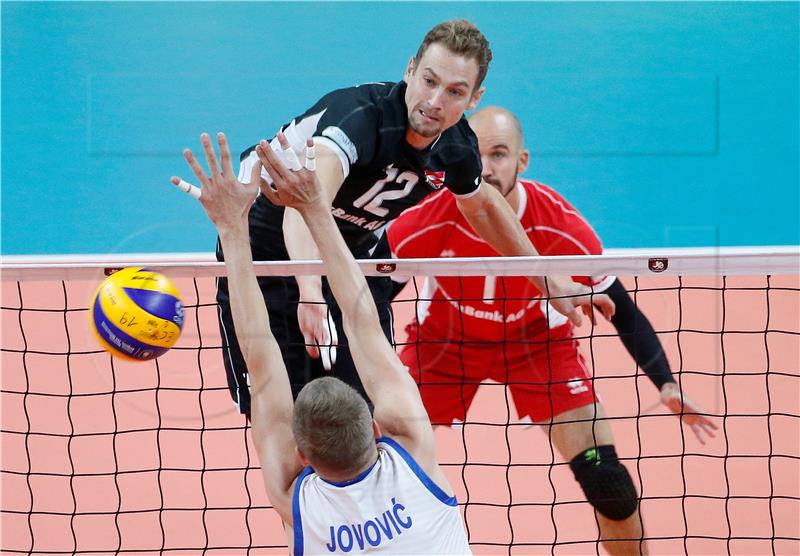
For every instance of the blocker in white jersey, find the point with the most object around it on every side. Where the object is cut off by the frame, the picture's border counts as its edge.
(329, 427)
(391, 508)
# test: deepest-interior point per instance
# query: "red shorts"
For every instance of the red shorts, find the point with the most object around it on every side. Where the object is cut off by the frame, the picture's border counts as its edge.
(546, 377)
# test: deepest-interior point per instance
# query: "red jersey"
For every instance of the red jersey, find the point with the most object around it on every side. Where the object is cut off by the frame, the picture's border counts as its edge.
(490, 308)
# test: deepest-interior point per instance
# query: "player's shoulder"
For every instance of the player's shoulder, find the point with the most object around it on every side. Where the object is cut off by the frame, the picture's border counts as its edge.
(543, 193)
(544, 199)
(550, 213)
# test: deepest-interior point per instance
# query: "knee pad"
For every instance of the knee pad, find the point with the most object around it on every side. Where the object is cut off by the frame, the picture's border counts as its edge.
(605, 482)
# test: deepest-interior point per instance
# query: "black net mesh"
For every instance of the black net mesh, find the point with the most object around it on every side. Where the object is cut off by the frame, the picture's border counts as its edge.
(101, 456)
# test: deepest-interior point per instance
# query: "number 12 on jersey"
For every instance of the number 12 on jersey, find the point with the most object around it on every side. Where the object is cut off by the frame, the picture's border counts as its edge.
(371, 200)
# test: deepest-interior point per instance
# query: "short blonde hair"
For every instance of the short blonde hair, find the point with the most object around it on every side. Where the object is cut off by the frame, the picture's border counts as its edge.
(461, 37)
(332, 425)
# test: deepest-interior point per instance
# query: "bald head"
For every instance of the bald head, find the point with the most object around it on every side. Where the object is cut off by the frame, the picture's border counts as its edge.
(499, 122)
(500, 143)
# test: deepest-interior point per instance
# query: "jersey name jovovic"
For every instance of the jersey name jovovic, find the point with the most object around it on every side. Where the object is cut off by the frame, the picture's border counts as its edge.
(365, 126)
(391, 508)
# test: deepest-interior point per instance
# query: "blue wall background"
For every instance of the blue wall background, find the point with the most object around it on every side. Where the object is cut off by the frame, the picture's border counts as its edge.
(667, 124)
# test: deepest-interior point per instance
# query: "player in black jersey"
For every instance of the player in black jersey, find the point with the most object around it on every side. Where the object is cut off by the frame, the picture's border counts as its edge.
(381, 148)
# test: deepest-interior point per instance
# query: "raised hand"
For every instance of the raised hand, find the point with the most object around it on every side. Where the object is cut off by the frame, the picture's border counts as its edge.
(690, 413)
(225, 199)
(297, 188)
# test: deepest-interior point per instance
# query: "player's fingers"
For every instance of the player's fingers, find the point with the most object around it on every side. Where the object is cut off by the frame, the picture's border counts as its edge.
(311, 345)
(588, 310)
(326, 330)
(255, 174)
(289, 156)
(334, 338)
(196, 169)
(283, 141)
(334, 331)
(211, 157)
(709, 431)
(272, 163)
(311, 155)
(267, 159)
(325, 357)
(698, 433)
(699, 412)
(325, 344)
(702, 433)
(606, 305)
(575, 317)
(225, 155)
(708, 424)
(292, 162)
(186, 187)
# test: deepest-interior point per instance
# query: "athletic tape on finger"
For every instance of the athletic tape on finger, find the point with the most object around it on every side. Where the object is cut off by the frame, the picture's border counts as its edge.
(334, 338)
(330, 337)
(291, 160)
(311, 158)
(325, 346)
(187, 187)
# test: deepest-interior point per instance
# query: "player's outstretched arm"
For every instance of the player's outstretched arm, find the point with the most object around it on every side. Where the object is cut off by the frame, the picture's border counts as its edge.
(494, 220)
(313, 316)
(641, 341)
(227, 203)
(398, 406)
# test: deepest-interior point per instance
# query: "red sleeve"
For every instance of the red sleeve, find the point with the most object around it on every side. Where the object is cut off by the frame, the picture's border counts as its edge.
(557, 228)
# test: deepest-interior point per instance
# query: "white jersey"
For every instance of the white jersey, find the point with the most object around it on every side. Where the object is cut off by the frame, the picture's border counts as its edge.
(391, 508)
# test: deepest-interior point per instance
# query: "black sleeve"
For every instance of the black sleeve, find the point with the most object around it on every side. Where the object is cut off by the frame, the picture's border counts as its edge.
(347, 118)
(459, 157)
(638, 336)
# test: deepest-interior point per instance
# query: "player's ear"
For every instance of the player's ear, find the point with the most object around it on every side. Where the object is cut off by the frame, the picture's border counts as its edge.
(476, 98)
(409, 69)
(301, 456)
(376, 429)
(522, 161)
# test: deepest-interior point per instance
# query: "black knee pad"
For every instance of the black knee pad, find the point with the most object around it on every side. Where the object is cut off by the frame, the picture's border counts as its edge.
(605, 482)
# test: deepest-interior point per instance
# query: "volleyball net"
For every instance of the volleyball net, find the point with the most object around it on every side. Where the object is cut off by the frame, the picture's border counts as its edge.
(103, 456)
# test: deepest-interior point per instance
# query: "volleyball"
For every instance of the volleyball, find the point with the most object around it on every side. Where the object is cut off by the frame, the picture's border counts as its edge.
(136, 314)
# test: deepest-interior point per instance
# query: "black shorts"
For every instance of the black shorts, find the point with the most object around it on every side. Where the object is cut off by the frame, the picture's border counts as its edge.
(281, 296)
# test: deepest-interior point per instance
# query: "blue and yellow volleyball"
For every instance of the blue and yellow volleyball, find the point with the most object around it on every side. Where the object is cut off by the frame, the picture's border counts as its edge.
(137, 314)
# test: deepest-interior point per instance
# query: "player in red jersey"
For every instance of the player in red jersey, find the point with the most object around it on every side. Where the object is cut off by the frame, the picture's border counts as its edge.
(475, 328)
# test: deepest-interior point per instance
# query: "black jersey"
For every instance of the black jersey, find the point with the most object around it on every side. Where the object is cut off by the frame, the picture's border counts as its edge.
(384, 175)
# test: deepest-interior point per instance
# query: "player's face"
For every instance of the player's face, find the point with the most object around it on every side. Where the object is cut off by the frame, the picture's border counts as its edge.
(502, 153)
(441, 86)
